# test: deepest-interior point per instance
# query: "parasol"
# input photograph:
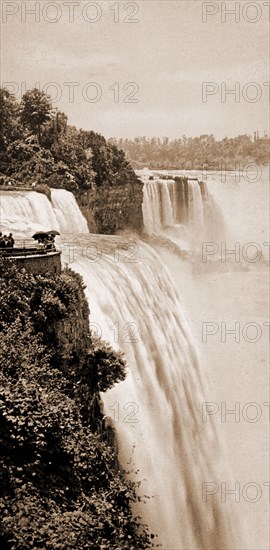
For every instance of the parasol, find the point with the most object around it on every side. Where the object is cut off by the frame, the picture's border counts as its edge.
(40, 235)
(53, 232)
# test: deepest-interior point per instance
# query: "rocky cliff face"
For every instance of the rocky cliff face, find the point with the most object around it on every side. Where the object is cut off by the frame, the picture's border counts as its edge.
(73, 339)
(38, 264)
(112, 209)
(72, 334)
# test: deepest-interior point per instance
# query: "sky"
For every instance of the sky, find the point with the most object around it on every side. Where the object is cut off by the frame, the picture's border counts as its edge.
(143, 68)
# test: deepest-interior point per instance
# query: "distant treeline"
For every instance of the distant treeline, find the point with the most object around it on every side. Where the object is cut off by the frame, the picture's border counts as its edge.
(193, 153)
(38, 145)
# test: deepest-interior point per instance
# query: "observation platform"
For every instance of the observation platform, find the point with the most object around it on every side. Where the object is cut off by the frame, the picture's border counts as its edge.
(35, 260)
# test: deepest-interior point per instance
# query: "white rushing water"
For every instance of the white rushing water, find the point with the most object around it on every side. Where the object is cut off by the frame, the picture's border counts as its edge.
(67, 212)
(23, 212)
(141, 306)
(183, 210)
(135, 306)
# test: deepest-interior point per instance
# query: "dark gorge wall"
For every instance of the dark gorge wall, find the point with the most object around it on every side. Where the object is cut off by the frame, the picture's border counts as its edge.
(112, 209)
(72, 342)
(73, 334)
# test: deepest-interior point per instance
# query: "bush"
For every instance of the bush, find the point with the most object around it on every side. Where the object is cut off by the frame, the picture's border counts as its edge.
(106, 366)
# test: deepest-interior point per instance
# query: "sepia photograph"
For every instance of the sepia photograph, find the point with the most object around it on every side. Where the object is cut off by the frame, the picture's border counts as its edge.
(134, 275)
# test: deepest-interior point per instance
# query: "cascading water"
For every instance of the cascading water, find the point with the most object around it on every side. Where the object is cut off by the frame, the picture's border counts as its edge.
(181, 209)
(196, 215)
(67, 212)
(23, 212)
(157, 409)
(135, 306)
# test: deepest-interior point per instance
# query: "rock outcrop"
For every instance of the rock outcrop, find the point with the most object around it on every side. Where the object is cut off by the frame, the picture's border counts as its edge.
(109, 210)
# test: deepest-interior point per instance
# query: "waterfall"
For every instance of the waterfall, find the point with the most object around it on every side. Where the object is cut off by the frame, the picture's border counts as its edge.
(67, 212)
(182, 208)
(157, 409)
(196, 217)
(23, 212)
(135, 306)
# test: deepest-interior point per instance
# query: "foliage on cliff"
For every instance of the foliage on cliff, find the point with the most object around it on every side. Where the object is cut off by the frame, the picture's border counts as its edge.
(37, 145)
(59, 488)
(193, 153)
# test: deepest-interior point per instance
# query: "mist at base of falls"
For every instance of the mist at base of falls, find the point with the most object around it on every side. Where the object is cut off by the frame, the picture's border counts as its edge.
(239, 376)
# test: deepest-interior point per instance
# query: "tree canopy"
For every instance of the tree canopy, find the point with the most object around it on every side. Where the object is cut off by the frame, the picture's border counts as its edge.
(35, 111)
(38, 145)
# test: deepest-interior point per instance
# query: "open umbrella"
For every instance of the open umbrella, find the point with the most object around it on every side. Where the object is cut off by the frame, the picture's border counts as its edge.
(40, 235)
(53, 232)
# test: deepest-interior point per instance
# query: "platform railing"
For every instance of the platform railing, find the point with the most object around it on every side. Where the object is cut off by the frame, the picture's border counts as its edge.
(25, 243)
(13, 252)
(26, 247)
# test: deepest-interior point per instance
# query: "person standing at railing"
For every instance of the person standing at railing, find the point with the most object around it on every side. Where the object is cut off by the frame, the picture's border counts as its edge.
(11, 241)
(49, 243)
(4, 241)
(41, 244)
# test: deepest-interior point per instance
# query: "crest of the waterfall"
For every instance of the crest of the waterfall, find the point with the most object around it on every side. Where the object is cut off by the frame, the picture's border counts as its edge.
(23, 212)
(157, 409)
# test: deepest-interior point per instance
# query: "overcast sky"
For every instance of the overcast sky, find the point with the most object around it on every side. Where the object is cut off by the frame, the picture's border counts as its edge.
(168, 53)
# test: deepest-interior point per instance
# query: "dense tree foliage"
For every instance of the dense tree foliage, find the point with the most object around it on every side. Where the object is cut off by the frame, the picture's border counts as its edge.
(59, 486)
(9, 119)
(37, 145)
(35, 111)
(193, 153)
